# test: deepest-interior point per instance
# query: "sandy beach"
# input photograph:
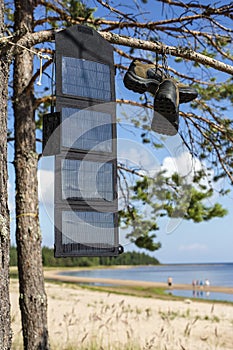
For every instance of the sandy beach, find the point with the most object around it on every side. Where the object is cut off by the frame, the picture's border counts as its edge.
(79, 318)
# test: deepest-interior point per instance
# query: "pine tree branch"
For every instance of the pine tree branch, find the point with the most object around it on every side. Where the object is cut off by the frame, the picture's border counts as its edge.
(211, 124)
(43, 99)
(216, 149)
(133, 103)
(172, 50)
(31, 39)
(225, 10)
(112, 9)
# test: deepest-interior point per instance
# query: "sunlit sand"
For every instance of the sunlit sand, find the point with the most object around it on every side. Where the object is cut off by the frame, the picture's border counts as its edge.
(80, 318)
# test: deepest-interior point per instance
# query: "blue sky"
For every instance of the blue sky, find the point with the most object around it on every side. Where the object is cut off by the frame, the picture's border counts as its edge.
(188, 242)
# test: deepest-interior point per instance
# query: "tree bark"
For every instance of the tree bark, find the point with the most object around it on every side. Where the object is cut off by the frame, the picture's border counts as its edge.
(32, 300)
(5, 320)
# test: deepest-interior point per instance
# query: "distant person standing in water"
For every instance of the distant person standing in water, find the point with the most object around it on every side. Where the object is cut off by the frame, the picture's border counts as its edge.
(207, 282)
(169, 281)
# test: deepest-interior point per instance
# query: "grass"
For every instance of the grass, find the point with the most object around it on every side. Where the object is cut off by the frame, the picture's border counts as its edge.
(172, 315)
(14, 272)
(144, 292)
(95, 346)
(134, 291)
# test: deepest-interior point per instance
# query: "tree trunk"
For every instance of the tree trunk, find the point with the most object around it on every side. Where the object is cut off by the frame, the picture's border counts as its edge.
(5, 320)
(33, 300)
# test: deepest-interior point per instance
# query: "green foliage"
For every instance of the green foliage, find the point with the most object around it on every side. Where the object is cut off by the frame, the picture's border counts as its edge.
(128, 258)
(9, 12)
(197, 211)
(178, 59)
(146, 242)
(13, 256)
(162, 196)
(78, 9)
(215, 91)
(49, 260)
(74, 9)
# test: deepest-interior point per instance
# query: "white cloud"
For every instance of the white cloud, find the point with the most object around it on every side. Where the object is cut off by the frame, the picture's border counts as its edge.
(11, 197)
(184, 164)
(46, 186)
(134, 154)
(194, 247)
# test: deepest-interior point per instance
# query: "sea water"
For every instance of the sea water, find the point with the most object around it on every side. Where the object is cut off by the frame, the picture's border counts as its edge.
(219, 274)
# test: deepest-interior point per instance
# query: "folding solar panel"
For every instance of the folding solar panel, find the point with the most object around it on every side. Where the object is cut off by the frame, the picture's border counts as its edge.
(82, 136)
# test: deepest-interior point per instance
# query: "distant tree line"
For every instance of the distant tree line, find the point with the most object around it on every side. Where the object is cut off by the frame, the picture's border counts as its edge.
(128, 258)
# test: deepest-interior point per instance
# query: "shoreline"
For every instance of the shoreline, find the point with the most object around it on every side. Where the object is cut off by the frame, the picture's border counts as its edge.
(56, 275)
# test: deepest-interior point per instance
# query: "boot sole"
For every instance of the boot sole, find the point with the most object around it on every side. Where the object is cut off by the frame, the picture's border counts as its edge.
(186, 96)
(163, 126)
(140, 85)
(166, 101)
(166, 108)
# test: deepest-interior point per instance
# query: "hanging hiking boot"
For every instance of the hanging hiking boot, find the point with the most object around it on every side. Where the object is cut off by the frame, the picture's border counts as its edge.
(142, 77)
(163, 126)
(166, 104)
(166, 100)
(186, 93)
